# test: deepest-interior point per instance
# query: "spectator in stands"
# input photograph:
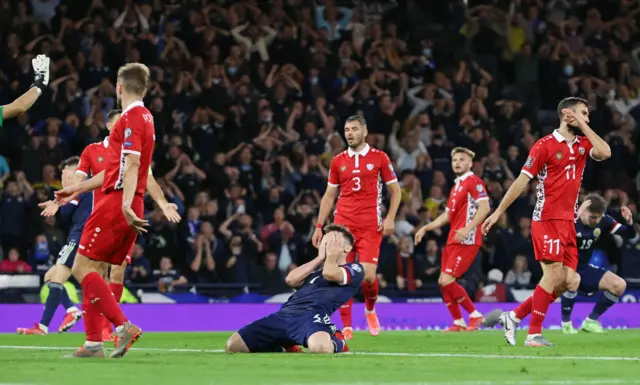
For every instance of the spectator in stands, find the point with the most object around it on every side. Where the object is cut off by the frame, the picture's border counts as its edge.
(13, 264)
(139, 271)
(519, 275)
(167, 277)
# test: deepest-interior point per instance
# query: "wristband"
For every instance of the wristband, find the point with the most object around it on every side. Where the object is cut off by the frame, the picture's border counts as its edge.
(38, 82)
(319, 226)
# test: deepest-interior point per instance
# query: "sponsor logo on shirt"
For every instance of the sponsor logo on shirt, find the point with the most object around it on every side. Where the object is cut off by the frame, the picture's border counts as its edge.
(529, 161)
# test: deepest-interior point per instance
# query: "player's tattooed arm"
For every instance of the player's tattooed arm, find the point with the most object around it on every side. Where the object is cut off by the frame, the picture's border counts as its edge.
(296, 277)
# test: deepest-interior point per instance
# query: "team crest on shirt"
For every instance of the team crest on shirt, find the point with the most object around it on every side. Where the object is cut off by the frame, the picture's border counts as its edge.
(127, 132)
(100, 159)
(369, 167)
(343, 168)
(581, 150)
(356, 267)
(558, 155)
(597, 232)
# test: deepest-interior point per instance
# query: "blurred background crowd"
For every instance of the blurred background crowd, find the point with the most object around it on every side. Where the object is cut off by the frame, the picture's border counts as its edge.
(249, 100)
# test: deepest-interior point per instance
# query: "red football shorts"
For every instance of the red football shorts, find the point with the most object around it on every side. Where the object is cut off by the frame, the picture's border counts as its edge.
(457, 258)
(367, 246)
(555, 241)
(106, 236)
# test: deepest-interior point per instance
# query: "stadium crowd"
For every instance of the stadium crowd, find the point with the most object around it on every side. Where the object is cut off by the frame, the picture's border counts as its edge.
(249, 99)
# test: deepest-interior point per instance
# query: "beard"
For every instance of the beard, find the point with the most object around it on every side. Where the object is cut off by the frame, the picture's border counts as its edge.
(574, 129)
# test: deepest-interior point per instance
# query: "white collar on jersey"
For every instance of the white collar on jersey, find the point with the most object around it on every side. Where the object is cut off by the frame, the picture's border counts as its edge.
(139, 103)
(105, 142)
(362, 152)
(560, 138)
(464, 176)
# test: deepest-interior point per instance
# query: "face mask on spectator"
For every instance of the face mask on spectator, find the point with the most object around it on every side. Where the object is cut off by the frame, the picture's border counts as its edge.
(314, 80)
(232, 70)
(218, 80)
(426, 51)
(568, 70)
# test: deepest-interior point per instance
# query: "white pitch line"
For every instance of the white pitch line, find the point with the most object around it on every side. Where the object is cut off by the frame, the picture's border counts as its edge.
(384, 354)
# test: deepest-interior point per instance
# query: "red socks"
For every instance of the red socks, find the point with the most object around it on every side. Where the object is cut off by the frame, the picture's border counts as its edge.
(459, 294)
(116, 289)
(345, 313)
(524, 309)
(540, 304)
(370, 292)
(452, 305)
(96, 291)
(93, 321)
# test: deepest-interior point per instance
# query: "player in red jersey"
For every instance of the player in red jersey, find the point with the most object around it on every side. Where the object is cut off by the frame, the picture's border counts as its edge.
(558, 161)
(91, 164)
(112, 228)
(359, 174)
(467, 207)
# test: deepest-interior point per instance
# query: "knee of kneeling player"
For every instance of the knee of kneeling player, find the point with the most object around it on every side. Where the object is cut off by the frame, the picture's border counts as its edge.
(235, 344)
(324, 347)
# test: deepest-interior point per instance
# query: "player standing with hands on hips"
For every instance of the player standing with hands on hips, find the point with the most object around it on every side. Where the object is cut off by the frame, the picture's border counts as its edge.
(467, 207)
(558, 161)
(359, 174)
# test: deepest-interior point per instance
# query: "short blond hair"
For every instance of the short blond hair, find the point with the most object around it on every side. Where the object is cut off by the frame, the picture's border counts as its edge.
(134, 77)
(463, 150)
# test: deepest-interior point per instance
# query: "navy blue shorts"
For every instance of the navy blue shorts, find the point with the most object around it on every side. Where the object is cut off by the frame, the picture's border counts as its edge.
(68, 253)
(590, 277)
(275, 330)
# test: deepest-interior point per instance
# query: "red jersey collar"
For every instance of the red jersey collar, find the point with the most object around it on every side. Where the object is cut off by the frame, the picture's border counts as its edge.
(139, 103)
(362, 152)
(560, 138)
(464, 176)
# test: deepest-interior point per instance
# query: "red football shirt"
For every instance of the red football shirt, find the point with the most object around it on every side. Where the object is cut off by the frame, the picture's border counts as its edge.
(133, 133)
(92, 162)
(462, 206)
(360, 177)
(558, 164)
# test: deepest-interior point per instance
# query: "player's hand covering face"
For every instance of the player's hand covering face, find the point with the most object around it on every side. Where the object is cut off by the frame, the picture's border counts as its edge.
(334, 245)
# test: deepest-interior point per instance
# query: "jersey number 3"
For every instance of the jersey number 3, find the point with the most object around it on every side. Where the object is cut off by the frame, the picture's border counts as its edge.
(357, 186)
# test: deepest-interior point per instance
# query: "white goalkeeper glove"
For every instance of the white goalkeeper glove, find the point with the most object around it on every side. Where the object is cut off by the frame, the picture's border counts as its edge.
(41, 72)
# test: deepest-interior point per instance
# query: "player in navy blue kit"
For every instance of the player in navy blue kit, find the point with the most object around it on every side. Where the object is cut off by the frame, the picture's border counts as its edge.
(305, 318)
(593, 222)
(74, 214)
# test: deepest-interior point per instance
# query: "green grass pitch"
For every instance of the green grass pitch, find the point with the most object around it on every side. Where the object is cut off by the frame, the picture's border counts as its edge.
(427, 358)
